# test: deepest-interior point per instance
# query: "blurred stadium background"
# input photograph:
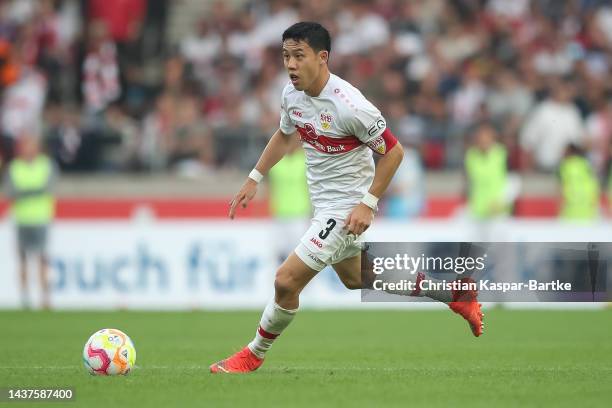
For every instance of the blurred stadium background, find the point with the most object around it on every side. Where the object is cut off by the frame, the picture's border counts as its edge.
(155, 111)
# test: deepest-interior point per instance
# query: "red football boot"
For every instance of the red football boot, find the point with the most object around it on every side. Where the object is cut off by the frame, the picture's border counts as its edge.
(465, 303)
(243, 361)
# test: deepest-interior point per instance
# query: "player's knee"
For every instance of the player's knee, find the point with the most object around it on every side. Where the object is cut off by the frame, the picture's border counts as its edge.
(284, 284)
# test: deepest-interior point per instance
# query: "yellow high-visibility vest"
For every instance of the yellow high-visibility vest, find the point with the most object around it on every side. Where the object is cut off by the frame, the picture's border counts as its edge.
(26, 176)
(288, 187)
(487, 175)
(580, 189)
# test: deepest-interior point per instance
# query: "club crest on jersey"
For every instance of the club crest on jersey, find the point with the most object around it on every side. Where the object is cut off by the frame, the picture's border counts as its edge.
(378, 145)
(326, 120)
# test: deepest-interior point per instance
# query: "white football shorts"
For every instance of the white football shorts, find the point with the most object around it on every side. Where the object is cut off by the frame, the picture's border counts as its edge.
(327, 241)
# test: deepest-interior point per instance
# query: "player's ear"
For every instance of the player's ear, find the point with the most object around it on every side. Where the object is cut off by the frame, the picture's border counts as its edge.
(323, 56)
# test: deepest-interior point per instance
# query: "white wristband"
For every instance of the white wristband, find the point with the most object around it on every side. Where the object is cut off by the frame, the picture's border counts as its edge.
(371, 201)
(255, 175)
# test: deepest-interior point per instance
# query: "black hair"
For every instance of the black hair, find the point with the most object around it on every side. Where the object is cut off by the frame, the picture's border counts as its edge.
(314, 34)
(574, 149)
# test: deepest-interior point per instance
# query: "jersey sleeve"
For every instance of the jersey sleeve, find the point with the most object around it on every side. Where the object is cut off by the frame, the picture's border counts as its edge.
(365, 121)
(369, 126)
(286, 124)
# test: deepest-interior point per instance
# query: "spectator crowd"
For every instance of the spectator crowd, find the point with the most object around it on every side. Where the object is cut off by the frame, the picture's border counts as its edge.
(108, 90)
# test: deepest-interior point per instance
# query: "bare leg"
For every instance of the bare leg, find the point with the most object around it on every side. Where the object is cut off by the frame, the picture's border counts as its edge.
(44, 281)
(291, 278)
(355, 272)
(23, 278)
(349, 272)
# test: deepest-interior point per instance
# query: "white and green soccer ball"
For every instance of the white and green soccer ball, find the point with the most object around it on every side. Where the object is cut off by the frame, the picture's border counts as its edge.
(109, 352)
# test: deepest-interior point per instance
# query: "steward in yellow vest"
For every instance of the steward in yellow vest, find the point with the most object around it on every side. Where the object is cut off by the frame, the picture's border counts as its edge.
(487, 175)
(610, 190)
(28, 183)
(579, 186)
(289, 198)
(29, 186)
(288, 187)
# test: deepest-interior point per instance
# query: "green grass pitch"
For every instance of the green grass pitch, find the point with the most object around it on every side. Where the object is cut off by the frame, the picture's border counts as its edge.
(325, 358)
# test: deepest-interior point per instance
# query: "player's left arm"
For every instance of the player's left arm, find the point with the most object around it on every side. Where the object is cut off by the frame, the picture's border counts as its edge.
(362, 215)
(385, 170)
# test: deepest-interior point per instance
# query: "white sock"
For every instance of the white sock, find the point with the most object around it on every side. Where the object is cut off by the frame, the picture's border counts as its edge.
(273, 321)
(444, 296)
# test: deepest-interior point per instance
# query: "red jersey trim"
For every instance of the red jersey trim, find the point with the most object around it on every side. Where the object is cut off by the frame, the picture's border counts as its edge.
(390, 139)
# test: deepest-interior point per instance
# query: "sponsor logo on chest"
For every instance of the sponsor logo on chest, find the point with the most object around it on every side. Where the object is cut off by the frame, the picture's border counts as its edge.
(327, 144)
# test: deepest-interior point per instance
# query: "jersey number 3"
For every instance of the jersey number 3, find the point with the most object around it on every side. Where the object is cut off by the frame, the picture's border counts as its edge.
(331, 223)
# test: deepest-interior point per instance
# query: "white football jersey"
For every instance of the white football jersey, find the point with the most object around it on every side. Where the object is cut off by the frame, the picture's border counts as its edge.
(339, 129)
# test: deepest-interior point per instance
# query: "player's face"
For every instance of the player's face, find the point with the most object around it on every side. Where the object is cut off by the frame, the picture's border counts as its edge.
(485, 137)
(303, 64)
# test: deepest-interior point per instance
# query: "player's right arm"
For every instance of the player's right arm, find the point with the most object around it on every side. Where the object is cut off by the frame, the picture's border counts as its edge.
(275, 150)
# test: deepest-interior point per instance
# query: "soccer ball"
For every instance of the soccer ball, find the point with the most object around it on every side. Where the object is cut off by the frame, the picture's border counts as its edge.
(109, 352)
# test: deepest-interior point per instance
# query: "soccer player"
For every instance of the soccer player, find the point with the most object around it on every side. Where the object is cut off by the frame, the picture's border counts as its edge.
(339, 129)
